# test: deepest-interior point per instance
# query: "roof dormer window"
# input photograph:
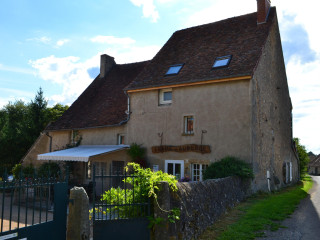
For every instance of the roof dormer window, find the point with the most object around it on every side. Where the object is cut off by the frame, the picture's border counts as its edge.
(222, 61)
(174, 69)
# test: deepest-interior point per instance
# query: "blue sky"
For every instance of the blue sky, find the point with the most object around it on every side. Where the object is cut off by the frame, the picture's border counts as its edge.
(56, 45)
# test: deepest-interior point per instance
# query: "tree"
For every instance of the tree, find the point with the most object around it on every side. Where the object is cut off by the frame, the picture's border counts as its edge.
(20, 126)
(303, 156)
(14, 137)
(38, 114)
(56, 111)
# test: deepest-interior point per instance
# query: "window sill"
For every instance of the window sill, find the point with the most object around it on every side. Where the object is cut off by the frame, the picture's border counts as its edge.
(187, 134)
(164, 104)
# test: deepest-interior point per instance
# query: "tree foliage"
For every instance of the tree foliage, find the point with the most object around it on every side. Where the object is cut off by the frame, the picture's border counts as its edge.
(21, 124)
(303, 156)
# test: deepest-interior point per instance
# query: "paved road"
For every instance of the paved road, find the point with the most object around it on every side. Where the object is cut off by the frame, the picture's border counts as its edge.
(304, 223)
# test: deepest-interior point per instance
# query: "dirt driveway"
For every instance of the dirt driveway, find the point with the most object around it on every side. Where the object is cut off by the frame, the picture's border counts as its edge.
(304, 223)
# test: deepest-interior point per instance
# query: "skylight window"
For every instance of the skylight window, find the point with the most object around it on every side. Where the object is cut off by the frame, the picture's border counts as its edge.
(174, 69)
(222, 61)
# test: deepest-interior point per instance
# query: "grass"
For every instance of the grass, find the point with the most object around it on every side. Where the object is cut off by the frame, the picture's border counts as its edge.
(261, 212)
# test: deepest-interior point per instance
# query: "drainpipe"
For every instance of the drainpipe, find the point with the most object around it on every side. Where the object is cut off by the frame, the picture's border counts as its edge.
(127, 111)
(50, 145)
(268, 179)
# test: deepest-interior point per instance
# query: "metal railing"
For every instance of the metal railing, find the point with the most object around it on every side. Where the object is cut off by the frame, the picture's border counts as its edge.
(120, 197)
(26, 201)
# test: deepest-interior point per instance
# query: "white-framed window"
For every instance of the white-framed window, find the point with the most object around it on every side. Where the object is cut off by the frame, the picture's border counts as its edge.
(120, 139)
(100, 168)
(197, 171)
(165, 96)
(175, 168)
(188, 125)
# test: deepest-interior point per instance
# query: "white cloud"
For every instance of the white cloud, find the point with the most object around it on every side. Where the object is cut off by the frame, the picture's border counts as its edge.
(304, 14)
(148, 9)
(304, 82)
(72, 72)
(44, 39)
(68, 72)
(16, 69)
(49, 41)
(134, 54)
(61, 42)
(218, 10)
(112, 40)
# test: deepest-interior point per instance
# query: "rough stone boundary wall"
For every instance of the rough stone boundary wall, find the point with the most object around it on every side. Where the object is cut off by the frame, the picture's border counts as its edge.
(201, 204)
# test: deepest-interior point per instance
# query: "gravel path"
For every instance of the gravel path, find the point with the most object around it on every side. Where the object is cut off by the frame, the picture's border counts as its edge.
(304, 223)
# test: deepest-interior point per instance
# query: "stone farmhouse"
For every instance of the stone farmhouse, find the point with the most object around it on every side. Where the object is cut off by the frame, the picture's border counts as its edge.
(214, 90)
(314, 165)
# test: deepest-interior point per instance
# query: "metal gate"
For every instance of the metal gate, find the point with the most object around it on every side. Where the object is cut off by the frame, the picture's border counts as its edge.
(33, 208)
(122, 210)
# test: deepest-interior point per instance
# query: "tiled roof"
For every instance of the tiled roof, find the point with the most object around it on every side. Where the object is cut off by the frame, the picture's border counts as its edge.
(197, 48)
(315, 162)
(103, 103)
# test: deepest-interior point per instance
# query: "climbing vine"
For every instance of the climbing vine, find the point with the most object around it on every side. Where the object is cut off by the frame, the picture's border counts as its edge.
(146, 184)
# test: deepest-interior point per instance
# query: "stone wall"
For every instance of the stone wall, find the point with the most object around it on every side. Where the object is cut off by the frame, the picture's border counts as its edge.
(201, 204)
(271, 117)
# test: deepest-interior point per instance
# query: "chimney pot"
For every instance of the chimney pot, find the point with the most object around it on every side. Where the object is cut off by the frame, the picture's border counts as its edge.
(263, 10)
(106, 63)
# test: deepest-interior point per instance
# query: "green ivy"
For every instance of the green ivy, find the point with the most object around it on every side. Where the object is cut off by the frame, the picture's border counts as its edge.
(146, 184)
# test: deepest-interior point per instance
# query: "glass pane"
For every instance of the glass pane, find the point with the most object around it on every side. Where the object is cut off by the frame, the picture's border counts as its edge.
(170, 168)
(189, 124)
(220, 62)
(177, 170)
(174, 69)
(167, 96)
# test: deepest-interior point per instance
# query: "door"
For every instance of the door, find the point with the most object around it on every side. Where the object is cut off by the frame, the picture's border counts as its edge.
(175, 168)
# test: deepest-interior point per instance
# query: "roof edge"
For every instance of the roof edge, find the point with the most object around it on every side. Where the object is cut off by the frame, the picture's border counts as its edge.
(193, 83)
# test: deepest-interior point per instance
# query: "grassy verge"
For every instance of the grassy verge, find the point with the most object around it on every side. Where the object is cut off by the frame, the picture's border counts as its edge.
(258, 213)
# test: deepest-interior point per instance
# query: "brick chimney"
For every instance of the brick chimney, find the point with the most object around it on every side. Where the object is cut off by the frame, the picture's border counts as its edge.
(263, 10)
(106, 63)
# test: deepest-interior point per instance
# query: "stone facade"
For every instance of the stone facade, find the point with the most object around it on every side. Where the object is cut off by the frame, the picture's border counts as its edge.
(271, 128)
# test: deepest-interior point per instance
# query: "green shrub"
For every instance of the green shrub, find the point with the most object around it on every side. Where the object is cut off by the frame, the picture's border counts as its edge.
(49, 169)
(228, 166)
(18, 170)
(136, 152)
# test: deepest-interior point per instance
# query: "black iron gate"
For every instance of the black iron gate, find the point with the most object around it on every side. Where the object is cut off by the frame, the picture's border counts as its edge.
(121, 211)
(33, 208)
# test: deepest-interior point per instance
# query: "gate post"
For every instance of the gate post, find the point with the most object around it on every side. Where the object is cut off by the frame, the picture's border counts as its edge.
(78, 219)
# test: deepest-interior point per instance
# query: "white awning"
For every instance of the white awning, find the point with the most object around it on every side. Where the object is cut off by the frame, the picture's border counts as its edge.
(81, 153)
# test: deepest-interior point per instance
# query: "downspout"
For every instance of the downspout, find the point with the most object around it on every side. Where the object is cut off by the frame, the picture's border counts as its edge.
(268, 179)
(127, 111)
(50, 145)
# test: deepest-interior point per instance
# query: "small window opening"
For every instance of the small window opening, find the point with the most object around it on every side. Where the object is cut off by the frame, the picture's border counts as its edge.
(174, 69)
(222, 61)
(120, 139)
(188, 125)
(165, 96)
